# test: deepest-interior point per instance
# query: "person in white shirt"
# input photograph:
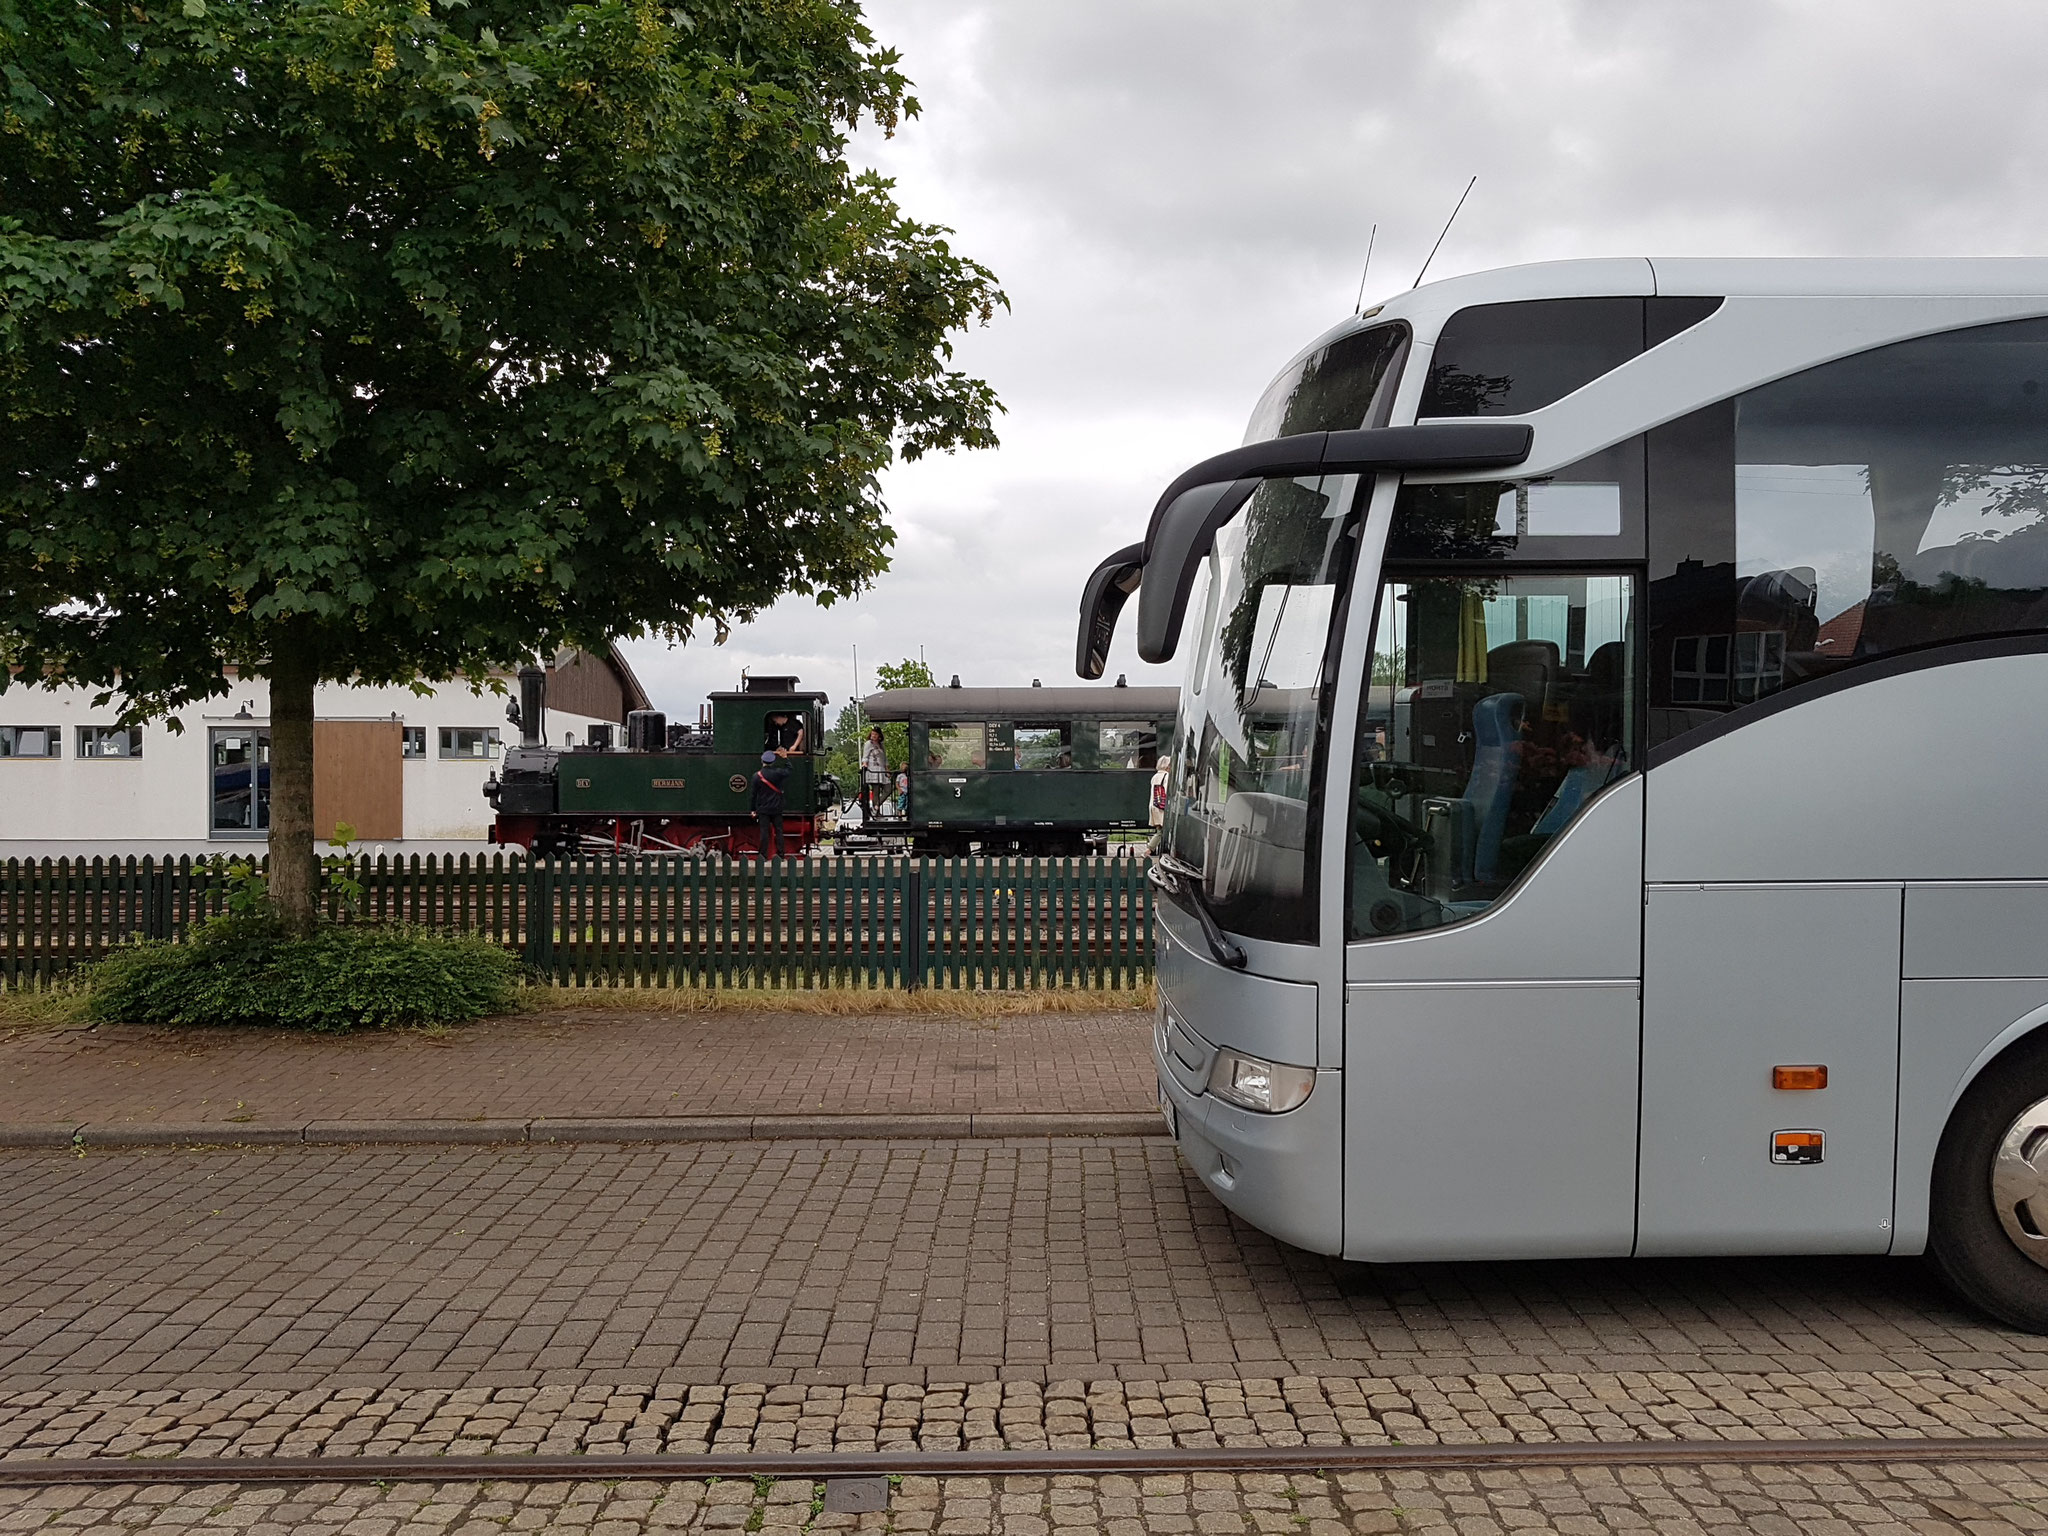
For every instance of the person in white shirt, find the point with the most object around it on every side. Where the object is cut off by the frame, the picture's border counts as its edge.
(874, 774)
(1159, 778)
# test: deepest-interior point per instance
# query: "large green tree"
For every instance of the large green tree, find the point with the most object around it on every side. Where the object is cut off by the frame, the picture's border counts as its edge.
(399, 339)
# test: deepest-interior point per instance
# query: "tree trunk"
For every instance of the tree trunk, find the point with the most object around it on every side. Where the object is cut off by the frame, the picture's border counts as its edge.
(294, 670)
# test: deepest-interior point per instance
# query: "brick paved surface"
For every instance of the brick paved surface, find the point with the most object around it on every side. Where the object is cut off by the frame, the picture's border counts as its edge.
(1902, 1499)
(1229, 1412)
(935, 1295)
(585, 1062)
(836, 1262)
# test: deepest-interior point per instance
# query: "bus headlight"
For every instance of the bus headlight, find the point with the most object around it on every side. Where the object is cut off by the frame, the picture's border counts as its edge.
(1269, 1087)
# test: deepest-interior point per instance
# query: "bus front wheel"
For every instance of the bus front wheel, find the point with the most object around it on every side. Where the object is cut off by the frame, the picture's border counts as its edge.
(1989, 1232)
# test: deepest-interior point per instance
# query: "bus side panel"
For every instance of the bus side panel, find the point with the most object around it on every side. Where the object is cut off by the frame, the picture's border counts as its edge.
(1738, 980)
(1919, 776)
(1945, 1026)
(1973, 961)
(1490, 1121)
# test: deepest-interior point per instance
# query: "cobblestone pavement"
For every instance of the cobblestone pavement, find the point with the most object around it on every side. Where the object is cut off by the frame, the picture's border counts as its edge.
(924, 1295)
(1020, 1415)
(585, 1062)
(1900, 1499)
(846, 1262)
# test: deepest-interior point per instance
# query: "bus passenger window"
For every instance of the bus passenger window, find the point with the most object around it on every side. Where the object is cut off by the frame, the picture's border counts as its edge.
(1499, 706)
(1891, 500)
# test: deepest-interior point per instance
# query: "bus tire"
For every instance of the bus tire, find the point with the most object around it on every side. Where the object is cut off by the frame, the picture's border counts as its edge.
(1989, 1241)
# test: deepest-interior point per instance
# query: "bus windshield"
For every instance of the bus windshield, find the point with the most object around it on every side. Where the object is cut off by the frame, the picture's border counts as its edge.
(1252, 725)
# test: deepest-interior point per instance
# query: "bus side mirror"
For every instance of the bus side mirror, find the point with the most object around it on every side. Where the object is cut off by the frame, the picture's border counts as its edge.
(1201, 501)
(1102, 599)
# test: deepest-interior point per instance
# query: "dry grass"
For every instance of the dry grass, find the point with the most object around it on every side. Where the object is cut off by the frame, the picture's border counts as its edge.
(27, 1008)
(840, 1000)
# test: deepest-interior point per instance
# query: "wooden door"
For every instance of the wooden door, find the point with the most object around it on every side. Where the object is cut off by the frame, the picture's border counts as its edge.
(358, 777)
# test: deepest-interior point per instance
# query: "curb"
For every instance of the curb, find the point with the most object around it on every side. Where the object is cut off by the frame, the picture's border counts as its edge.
(674, 1128)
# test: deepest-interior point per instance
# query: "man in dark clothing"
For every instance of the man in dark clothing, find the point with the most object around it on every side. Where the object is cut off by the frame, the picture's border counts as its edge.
(769, 779)
(784, 736)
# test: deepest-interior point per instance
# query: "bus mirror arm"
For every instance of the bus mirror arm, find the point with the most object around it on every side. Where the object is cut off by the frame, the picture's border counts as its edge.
(1201, 501)
(1102, 600)
(1178, 879)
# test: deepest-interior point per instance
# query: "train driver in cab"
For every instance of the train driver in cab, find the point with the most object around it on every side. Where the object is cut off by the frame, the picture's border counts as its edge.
(784, 735)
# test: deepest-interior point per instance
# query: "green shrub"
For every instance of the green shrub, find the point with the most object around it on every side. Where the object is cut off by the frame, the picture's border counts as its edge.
(245, 969)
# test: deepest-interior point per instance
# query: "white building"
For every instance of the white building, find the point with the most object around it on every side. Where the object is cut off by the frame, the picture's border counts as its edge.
(405, 770)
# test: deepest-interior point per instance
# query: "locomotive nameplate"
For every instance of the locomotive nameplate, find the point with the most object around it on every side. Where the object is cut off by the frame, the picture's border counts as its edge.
(583, 783)
(665, 783)
(737, 783)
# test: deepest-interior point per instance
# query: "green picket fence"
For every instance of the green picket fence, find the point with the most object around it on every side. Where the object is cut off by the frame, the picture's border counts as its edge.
(638, 921)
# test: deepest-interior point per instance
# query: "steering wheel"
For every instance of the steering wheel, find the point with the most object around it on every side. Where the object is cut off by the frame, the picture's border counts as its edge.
(1389, 835)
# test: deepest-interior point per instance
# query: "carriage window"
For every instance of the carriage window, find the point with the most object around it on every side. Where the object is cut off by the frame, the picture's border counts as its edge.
(1891, 500)
(1500, 705)
(1128, 744)
(1045, 746)
(958, 746)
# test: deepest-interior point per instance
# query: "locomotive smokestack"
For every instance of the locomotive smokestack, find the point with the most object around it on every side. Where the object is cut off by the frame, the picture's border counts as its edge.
(533, 706)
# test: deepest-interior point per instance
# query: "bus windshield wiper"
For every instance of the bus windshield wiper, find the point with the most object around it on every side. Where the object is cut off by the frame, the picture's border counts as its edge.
(1180, 879)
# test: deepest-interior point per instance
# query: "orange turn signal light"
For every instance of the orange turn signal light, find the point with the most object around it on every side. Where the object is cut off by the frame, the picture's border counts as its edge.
(1799, 1078)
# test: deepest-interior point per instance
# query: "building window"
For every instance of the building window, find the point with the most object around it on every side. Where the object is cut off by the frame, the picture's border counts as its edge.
(414, 741)
(467, 742)
(110, 741)
(241, 781)
(29, 741)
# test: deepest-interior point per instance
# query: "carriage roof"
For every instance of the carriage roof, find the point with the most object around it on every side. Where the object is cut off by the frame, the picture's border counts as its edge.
(1021, 703)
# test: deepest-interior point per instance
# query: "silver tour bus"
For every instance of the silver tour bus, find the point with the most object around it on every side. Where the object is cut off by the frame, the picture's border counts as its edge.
(1609, 808)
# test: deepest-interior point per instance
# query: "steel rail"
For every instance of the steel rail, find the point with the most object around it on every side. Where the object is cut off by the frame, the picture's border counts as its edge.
(820, 1466)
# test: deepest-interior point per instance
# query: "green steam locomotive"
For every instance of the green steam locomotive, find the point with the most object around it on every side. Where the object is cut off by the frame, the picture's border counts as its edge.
(669, 788)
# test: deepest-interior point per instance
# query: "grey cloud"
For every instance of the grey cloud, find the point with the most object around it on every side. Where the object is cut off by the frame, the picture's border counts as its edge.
(1177, 196)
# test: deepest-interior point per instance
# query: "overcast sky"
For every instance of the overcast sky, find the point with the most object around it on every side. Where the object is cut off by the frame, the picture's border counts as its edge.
(1177, 196)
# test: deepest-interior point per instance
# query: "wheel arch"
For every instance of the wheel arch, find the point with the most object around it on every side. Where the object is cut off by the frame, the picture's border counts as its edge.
(1913, 1200)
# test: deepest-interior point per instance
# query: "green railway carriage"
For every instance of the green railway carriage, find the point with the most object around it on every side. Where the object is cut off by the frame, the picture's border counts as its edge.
(1026, 770)
(666, 788)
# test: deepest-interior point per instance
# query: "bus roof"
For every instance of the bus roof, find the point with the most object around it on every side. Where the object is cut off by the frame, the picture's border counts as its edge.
(1426, 308)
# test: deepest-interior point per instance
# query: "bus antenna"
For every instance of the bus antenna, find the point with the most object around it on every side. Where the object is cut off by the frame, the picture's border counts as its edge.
(1359, 307)
(1446, 230)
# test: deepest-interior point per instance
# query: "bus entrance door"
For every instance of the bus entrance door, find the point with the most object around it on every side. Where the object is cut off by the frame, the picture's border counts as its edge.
(1490, 1066)
(1740, 981)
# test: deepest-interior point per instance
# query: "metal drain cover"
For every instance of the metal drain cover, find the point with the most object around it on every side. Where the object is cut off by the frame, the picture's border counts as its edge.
(856, 1495)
